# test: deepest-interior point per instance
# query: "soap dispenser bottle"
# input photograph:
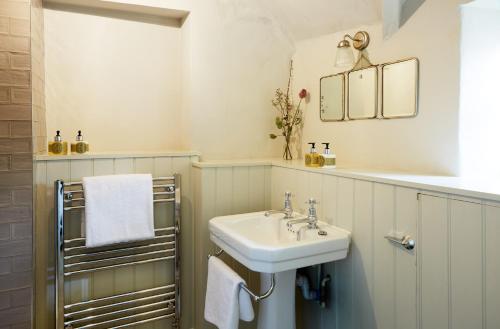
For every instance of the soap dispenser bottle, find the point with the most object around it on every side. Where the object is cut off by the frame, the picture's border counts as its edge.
(312, 158)
(79, 146)
(327, 159)
(58, 146)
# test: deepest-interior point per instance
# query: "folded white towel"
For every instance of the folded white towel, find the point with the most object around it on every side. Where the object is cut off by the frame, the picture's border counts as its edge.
(225, 301)
(118, 208)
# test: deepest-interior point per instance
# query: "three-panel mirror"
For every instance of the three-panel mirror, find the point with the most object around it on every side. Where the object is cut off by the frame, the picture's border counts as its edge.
(355, 95)
(332, 98)
(399, 89)
(362, 102)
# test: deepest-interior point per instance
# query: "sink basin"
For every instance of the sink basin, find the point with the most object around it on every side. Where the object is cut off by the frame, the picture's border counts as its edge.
(264, 244)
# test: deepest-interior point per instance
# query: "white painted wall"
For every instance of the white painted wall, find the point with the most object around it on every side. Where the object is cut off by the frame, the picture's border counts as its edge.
(480, 106)
(115, 78)
(238, 56)
(425, 144)
(138, 86)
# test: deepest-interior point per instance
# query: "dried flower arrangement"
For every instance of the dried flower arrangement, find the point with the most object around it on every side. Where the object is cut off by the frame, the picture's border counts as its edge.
(290, 116)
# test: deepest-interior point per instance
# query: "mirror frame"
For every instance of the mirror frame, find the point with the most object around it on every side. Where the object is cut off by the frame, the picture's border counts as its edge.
(343, 75)
(376, 93)
(417, 81)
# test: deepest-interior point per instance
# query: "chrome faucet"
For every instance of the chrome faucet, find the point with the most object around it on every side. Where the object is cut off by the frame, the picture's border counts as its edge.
(311, 219)
(312, 216)
(287, 210)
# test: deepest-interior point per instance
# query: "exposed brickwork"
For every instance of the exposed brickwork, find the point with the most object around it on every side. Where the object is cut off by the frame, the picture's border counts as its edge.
(16, 167)
(38, 77)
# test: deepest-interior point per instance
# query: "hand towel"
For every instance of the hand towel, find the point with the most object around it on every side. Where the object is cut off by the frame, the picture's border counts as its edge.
(225, 301)
(118, 208)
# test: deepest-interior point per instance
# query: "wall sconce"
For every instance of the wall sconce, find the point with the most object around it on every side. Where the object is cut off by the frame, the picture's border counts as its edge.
(345, 55)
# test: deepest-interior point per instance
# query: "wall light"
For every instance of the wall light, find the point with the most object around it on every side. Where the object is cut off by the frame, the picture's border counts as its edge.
(345, 56)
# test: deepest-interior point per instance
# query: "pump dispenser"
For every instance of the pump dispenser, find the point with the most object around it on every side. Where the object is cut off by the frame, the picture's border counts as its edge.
(312, 158)
(58, 146)
(80, 146)
(327, 159)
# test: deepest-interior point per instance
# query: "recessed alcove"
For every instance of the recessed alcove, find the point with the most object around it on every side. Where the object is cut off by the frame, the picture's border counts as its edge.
(113, 69)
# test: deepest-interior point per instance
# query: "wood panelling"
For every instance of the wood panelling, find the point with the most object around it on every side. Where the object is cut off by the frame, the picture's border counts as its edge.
(224, 191)
(375, 286)
(101, 284)
(449, 281)
(459, 263)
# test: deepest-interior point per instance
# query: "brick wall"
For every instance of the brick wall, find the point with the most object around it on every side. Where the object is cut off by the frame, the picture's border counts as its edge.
(38, 78)
(16, 175)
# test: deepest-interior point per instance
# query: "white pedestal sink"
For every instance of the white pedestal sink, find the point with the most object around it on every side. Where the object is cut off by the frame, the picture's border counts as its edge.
(264, 244)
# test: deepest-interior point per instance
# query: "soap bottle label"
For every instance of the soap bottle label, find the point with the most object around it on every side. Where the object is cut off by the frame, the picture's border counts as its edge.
(56, 148)
(326, 161)
(80, 148)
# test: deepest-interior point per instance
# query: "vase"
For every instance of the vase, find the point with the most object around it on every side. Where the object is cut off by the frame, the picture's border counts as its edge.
(287, 153)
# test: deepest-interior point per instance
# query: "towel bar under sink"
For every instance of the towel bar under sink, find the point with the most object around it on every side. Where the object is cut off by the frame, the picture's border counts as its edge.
(253, 295)
(74, 259)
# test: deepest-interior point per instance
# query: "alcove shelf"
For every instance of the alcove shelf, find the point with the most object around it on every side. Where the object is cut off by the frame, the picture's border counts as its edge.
(134, 8)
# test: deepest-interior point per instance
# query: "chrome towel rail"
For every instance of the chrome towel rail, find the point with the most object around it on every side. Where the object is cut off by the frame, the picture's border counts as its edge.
(254, 296)
(73, 258)
(74, 198)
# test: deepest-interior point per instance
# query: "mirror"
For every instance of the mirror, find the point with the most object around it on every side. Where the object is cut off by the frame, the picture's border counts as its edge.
(399, 89)
(362, 99)
(331, 89)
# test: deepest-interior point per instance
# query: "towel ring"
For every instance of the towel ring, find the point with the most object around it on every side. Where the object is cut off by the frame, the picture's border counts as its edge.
(243, 286)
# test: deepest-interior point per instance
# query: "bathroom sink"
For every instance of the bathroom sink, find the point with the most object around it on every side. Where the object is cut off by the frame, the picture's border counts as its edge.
(265, 244)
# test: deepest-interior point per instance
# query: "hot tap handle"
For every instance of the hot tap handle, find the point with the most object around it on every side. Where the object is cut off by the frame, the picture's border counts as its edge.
(312, 202)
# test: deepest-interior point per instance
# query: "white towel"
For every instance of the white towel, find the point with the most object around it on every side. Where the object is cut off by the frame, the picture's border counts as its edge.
(226, 302)
(118, 208)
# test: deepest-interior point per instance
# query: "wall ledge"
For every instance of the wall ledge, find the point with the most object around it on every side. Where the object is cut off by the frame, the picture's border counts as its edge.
(176, 16)
(116, 155)
(469, 187)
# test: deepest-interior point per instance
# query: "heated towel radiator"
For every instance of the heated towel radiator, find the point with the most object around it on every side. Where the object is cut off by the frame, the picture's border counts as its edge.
(74, 259)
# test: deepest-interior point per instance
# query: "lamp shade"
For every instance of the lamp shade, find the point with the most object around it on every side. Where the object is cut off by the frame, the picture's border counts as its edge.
(344, 57)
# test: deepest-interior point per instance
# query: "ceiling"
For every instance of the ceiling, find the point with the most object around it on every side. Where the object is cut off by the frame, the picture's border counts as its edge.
(309, 18)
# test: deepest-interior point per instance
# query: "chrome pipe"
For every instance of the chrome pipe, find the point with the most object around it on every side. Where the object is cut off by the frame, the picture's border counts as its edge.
(154, 201)
(117, 313)
(177, 261)
(74, 200)
(217, 253)
(119, 258)
(158, 230)
(256, 297)
(73, 191)
(59, 253)
(91, 270)
(243, 286)
(82, 240)
(74, 258)
(154, 179)
(118, 251)
(145, 321)
(164, 185)
(120, 304)
(164, 193)
(129, 317)
(128, 294)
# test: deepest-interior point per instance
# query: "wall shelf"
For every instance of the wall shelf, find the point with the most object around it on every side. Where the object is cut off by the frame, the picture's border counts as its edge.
(132, 8)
